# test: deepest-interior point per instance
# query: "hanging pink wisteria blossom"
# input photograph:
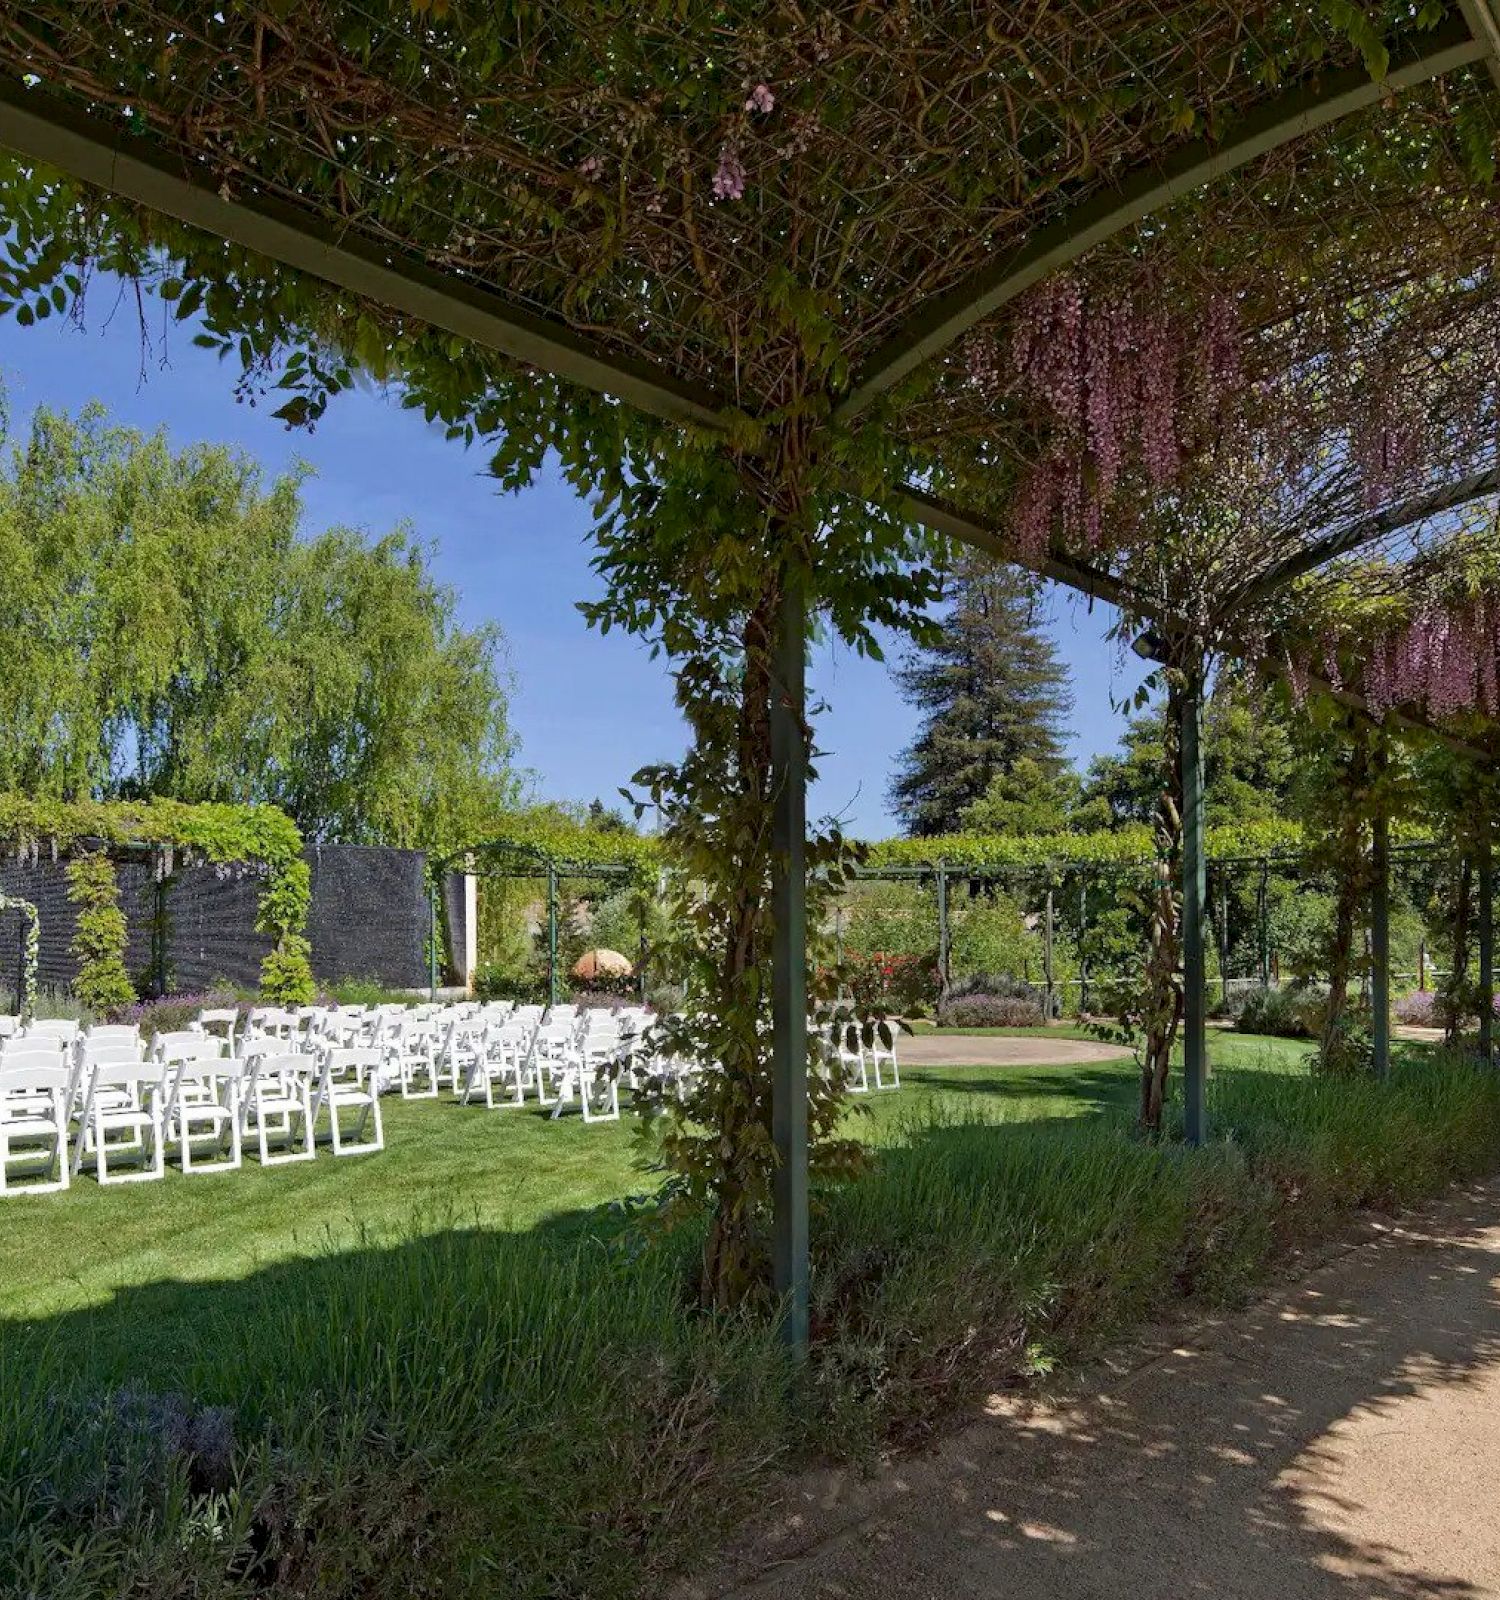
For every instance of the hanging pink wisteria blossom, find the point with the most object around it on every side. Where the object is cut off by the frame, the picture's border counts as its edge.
(1117, 383)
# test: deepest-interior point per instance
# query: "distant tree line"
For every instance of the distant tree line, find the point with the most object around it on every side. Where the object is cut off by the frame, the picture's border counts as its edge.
(166, 629)
(989, 753)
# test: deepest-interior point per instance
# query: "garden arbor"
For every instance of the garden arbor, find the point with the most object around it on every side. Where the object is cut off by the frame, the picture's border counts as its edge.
(789, 289)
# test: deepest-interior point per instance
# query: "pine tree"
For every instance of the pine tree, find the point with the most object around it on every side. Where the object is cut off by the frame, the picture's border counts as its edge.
(992, 692)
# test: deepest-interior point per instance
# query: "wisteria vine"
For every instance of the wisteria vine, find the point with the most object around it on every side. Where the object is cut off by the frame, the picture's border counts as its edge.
(1116, 382)
(1444, 660)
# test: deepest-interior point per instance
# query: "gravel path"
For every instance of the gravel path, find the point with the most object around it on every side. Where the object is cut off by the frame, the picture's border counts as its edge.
(998, 1050)
(1339, 1441)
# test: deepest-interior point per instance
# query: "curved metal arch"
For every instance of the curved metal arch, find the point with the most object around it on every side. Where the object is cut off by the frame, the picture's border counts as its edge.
(937, 324)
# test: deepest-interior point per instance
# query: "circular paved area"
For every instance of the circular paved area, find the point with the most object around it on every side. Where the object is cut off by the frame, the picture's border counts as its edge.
(982, 1050)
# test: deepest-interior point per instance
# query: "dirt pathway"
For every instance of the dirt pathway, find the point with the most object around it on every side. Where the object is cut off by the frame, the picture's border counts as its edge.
(998, 1050)
(1341, 1441)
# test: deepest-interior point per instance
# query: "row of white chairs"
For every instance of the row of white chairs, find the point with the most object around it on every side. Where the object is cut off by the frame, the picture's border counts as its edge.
(103, 1098)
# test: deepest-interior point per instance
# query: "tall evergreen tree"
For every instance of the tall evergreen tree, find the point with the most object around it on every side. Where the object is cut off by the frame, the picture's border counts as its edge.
(992, 693)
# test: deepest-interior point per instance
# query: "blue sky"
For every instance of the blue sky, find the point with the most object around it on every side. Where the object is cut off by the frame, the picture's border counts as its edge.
(588, 709)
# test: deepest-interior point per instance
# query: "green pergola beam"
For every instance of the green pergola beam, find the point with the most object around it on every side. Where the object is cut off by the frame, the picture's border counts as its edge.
(37, 125)
(1483, 18)
(1355, 535)
(979, 533)
(1301, 111)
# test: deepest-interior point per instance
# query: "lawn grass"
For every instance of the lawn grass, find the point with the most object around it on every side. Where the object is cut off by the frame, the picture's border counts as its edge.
(445, 1166)
(442, 1373)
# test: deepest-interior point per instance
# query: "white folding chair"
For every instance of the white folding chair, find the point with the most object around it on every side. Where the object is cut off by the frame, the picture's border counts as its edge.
(122, 1098)
(35, 1091)
(111, 1033)
(223, 1023)
(277, 1094)
(501, 1061)
(202, 1100)
(64, 1029)
(883, 1056)
(350, 1079)
(849, 1053)
(10, 1026)
(408, 1052)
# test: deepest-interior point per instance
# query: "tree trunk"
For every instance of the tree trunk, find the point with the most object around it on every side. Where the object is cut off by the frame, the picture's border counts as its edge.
(1456, 984)
(733, 1248)
(1163, 1001)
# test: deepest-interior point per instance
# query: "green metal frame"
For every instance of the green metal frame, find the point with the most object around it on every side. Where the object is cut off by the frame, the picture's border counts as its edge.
(510, 858)
(1194, 889)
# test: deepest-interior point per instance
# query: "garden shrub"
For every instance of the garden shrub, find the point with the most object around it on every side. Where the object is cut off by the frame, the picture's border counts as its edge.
(1282, 1013)
(500, 983)
(989, 1011)
(880, 982)
(101, 935)
(174, 1012)
(1419, 1009)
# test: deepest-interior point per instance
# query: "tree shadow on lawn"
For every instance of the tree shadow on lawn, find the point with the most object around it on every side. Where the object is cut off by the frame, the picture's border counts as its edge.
(1092, 1088)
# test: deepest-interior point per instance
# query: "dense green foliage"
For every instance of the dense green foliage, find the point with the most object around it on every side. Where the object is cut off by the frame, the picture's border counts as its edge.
(100, 936)
(992, 694)
(31, 940)
(169, 633)
(253, 837)
(1249, 762)
(969, 1254)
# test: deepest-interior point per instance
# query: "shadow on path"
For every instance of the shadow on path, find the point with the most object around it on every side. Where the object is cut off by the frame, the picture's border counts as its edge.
(1340, 1441)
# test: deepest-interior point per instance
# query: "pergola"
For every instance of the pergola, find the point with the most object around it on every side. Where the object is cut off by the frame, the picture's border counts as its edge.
(876, 229)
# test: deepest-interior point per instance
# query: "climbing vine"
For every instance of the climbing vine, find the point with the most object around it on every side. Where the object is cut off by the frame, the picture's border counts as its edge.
(31, 945)
(258, 839)
(101, 934)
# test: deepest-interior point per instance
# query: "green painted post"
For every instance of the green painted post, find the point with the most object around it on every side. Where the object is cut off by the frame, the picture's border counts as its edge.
(789, 964)
(1485, 866)
(551, 936)
(1047, 954)
(159, 933)
(1083, 961)
(1263, 911)
(432, 927)
(943, 946)
(1380, 945)
(1222, 921)
(1194, 886)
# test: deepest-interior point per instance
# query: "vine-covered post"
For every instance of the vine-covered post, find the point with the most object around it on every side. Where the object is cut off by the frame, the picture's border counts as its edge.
(943, 943)
(432, 938)
(1083, 960)
(1380, 942)
(551, 934)
(789, 963)
(1484, 866)
(1047, 953)
(1194, 886)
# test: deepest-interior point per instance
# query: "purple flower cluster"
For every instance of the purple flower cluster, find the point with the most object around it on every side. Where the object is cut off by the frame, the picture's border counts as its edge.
(1115, 381)
(729, 179)
(1445, 659)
